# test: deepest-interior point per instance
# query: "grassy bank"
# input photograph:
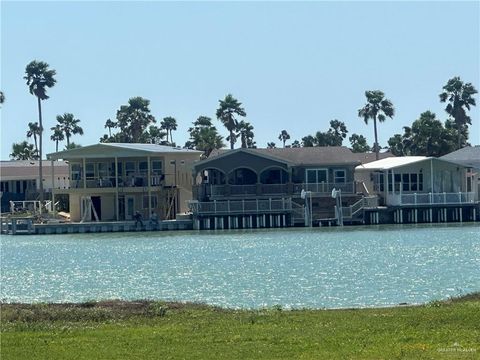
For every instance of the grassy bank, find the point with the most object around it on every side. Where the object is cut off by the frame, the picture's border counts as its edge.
(157, 330)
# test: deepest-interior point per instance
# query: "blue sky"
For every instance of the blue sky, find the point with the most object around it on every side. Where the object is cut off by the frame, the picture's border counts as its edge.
(294, 66)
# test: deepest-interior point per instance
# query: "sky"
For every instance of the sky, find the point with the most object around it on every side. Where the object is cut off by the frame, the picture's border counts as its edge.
(293, 65)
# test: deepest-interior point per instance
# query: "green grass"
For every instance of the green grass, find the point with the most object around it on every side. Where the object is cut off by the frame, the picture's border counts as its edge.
(157, 330)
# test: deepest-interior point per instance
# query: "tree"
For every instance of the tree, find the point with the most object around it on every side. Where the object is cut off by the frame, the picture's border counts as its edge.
(69, 126)
(284, 136)
(204, 136)
(296, 144)
(2, 97)
(359, 143)
(308, 141)
(133, 119)
(109, 124)
(271, 145)
(426, 137)
(39, 77)
(376, 108)
(72, 145)
(33, 131)
(228, 108)
(23, 151)
(57, 135)
(169, 124)
(460, 98)
(245, 132)
(155, 135)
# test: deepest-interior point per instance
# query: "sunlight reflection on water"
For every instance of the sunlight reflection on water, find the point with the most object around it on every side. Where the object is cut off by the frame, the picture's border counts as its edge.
(314, 268)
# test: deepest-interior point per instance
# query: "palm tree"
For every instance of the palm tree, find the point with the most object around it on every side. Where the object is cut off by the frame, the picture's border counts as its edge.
(376, 108)
(460, 97)
(169, 124)
(109, 124)
(39, 77)
(284, 136)
(69, 126)
(33, 131)
(23, 151)
(245, 132)
(2, 97)
(225, 113)
(57, 135)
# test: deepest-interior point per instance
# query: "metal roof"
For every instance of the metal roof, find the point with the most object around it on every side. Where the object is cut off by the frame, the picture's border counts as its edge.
(120, 149)
(391, 162)
(467, 156)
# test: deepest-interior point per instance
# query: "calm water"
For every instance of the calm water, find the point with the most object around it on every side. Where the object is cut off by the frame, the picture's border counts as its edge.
(351, 267)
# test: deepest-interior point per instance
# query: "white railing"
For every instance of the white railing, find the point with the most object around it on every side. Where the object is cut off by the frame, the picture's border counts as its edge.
(325, 188)
(432, 198)
(366, 202)
(240, 206)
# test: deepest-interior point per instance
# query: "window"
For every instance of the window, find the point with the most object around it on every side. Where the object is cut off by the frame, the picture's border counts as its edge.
(156, 167)
(90, 171)
(405, 182)
(413, 182)
(102, 170)
(339, 176)
(315, 176)
(129, 168)
(143, 167)
(76, 172)
(153, 201)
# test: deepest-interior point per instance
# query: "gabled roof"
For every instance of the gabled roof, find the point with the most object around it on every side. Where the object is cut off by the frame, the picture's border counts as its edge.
(308, 156)
(118, 149)
(468, 156)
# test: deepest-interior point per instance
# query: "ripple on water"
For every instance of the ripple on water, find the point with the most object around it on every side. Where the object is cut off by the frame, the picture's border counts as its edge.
(361, 266)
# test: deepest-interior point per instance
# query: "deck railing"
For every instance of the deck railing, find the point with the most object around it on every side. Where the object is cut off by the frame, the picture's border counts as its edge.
(323, 188)
(436, 198)
(226, 207)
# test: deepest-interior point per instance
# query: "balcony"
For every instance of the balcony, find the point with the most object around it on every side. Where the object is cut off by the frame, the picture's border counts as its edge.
(259, 190)
(121, 182)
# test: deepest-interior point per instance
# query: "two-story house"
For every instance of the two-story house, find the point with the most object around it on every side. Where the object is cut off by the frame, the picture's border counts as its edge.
(114, 181)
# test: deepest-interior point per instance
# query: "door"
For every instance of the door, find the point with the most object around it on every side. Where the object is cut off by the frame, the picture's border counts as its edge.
(129, 207)
(97, 205)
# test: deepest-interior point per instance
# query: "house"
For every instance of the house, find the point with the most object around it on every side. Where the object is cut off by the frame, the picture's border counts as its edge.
(19, 180)
(440, 188)
(470, 158)
(114, 181)
(272, 187)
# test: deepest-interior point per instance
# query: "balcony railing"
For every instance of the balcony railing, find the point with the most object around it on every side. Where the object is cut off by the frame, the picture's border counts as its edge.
(111, 182)
(219, 191)
(227, 207)
(431, 198)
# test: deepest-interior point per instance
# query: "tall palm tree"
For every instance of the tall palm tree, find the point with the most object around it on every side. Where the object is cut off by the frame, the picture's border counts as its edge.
(460, 97)
(69, 126)
(169, 124)
(284, 136)
(39, 77)
(109, 124)
(228, 108)
(33, 131)
(245, 131)
(57, 135)
(376, 108)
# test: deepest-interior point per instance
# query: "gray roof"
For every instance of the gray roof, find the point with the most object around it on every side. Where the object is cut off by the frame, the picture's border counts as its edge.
(468, 156)
(322, 155)
(120, 149)
(30, 163)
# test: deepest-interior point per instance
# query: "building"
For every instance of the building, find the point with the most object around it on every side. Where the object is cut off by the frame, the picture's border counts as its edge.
(114, 181)
(273, 187)
(470, 158)
(19, 180)
(420, 189)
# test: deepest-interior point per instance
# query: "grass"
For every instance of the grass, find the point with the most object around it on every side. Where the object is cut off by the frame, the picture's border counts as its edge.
(161, 330)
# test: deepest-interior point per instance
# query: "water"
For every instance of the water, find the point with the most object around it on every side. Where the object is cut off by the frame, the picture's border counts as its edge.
(295, 268)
